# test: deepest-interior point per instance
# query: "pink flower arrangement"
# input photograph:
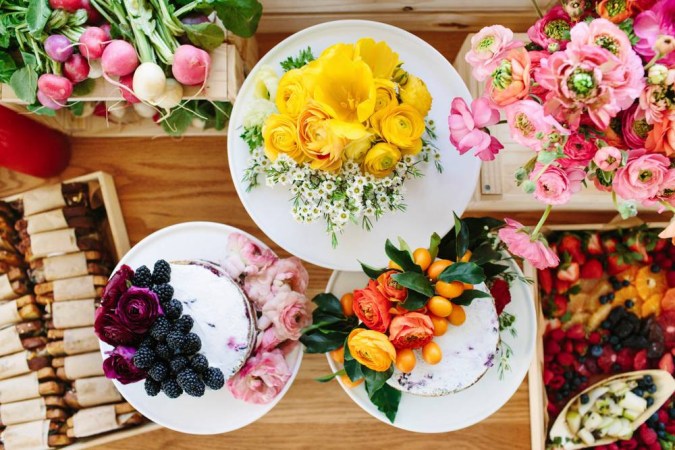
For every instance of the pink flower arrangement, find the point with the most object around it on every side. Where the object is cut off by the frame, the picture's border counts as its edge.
(467, 128)
(487, 47)
(608, 159)
(642, 176)
(510, 81)
(245, 257)
(284, 275)
(579, 151)
(530, 125)
(551, 32)
(653, 27)
(530, 246)
(261, 379)
(555, 185)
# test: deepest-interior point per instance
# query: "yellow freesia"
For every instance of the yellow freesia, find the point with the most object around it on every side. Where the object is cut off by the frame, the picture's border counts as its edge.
(378, 55)
(281, 136)
(416, 94)
(381, 160)
(294, 91)
(372, 349)
(385, 94)
(347, 50)
(402, 126)
(356, 149)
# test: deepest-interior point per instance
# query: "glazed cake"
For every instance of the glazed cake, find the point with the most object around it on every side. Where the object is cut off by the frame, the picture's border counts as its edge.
(223, 318)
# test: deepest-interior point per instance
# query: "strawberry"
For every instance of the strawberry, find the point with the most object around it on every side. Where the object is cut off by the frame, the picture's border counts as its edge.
(660, 245)
(667, 364)
(568, 346)
(670, 276)
(593, 246)
(557, 334)
(561, 287)
(545, 280)
(559, 306)
(565, 359)
(640, 360)
(576, 332)
(557, 382)
(570, 273)
(607, 359)
(625, 358)
(609, 244)
(636, 244)
(615, 267)
(572, 245)
(548, 376)
(592, 270)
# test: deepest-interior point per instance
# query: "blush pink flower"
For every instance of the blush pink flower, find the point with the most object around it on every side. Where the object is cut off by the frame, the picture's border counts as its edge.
(551, 32)
(634, 127)
(653, 24)
(286, 274)
(467, 127)
(245, 257)
(530, 125)
(288, 312)
(642, 176)
(666, 192)
(579, 150)
(261, 379)
(555, 185)
(608, 158)
(534, 249)
(510, 81)
(267, 340)
(487, 47)
(654, 102)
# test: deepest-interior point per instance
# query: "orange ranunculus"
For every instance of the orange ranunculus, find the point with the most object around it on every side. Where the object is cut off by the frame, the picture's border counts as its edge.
(372, 308)
(510, 81)
(411, 330)
(615, 10)
(662, 137)
(371, 348)
(390, 288)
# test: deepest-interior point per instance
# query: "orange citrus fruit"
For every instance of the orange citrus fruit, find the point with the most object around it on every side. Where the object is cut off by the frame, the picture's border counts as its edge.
(668, 300)
(449, 290)
(467, 286)
(649, 283)
(347, 302)
(652, 306)
(437, 267)
(405, 360)
(432, 353)
(440, 325)
(466, 257)
(422, 258)
(349, 383)
(338, 355)
(457, 316)
(439, 306)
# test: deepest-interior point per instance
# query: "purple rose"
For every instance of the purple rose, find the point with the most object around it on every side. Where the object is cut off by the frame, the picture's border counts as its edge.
(117, 285)
(109, 329)
(138, 308)
(118, 366)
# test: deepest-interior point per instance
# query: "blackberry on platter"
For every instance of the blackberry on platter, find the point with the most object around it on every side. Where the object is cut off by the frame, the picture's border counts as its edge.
(161, 273)
(160, 328)
(173, 309)
(144, 358)
(184, 323)
(142, 277)
(171, 388)
(152, 387)
(179, 363)
(164, 292)
(199, 363)
(189, 380)
(159, 371)
(214, 378)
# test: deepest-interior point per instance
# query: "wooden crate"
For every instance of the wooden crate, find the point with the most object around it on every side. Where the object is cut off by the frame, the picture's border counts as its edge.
(539, 419)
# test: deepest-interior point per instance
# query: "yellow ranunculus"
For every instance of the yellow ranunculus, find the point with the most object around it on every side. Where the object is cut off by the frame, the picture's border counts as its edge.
(281, 136)
(346, 50)
(416, 94)
(385, 94)
(345, 88)
(318, 139)
(294, 91)
(372, 349)
(401, 126)
(378, 55)
(356, 149)
(381, 160)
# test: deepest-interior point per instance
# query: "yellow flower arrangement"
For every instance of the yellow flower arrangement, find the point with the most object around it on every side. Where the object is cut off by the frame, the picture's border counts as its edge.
(372, 349)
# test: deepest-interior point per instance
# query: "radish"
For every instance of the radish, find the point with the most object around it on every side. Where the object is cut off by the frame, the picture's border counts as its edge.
(149, 81)
(56, 87)
(119, 58)
(47, 102)
(76, 69)
(93, 16)
(117, 110)
(145, 111)
(172, 95)
(128, 81)
(107, 28)
(93, 41)
(190, 65)
(68, 5)
(87, 110)
(58, 47)
(95, 69)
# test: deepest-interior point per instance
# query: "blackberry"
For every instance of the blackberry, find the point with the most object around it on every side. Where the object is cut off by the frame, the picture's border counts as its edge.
(144, 358)
(164, 292)
(173, 309)
(192, 344)
(160, 328)
(171, 388)
(163, 351)
(199, 363)
(191, 383)
(179, 363)
(184, 323)
(175, 340)
(148, 342)
(142, 277)
(161, 273)
(152, 387)
(214, 378)
(159, 371)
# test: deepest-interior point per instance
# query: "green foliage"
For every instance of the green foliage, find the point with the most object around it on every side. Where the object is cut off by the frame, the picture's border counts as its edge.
(466, 272)
(304, 57)
(253, 137)
(372, 272)
(401, 257)
(208, 36)
(239, 16)
(330, 326)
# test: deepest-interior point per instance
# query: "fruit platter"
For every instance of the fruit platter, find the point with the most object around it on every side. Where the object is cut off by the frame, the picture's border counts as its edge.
(609, 311)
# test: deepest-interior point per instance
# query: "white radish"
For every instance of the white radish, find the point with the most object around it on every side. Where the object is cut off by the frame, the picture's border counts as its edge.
(145, 111)
(116, 109)
(198, 123)
(149, 81)
(119, 58)
(172, 95)
(190, 65)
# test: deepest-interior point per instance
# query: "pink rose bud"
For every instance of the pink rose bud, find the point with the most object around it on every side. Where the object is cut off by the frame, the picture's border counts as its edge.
(608, 158)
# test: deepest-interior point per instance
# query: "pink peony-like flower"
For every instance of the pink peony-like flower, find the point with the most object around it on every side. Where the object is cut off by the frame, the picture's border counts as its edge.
(666, 192)
(467, 127)
(653, 24)
(261, 379)
(551, 32)
(536, 56)
(654, 102)
(510, 81)
(267, 340)
(579, 150)
(116, 286)
(110, 329)
(288, 313)
(137, 309)
(286, 274)
(608, 158)
(119, 366)
(520, 243)
(527, 120)
(487, 47)
(245, 257)
(555, 185)
(635, 127)
(642, 176)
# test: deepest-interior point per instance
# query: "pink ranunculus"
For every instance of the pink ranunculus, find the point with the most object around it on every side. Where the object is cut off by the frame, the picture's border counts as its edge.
(608, 158)
(527, 120)
(289, 313)
(267, 340)
(467, 127)
(635, 127)
(650, 25)
(536, 251)
(552, 30)
(510, 81)
(642, 176)
(555, 185)
(487, 47)
(666, 192)
(261, 379)
(245, 257)
(286, 274)
(536, 56)
(579, 150)
(654, 102)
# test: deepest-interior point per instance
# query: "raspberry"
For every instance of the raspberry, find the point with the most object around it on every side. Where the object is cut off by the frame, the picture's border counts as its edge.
(199, 363)
(172, 309)
(192, 344)
(171, 388)
(161, 273)
(557, 334)
(647, 435)
(179, 363)
(160, 328)
(142, 277)
(214, 378)
(184, 324)
(159, 371)
(191, 383)
(164, 292)
(144, 358)
(551, 347)
(152, 387)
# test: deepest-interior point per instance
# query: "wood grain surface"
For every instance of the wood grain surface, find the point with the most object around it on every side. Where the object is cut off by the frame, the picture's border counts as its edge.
(166, 181)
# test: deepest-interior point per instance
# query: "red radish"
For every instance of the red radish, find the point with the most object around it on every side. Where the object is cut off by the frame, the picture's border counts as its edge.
(100, 110)
(56, 87)
(47, 102)
(190, 65)
(119, 58)
(107, 28)
(68, 5)
(93, 16)
(58, 47)
(93, 42)
(76, 69)
(128, 81)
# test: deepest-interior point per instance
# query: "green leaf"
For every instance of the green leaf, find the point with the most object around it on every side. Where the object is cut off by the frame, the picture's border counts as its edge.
(469, 296)
(434, 242)
(492, 270)
(77, 108)
(239, 16)
(466, 272)
(304, 57)
(37, 15)
(208, 36)
(414, 301)
(372, 272)
(24, 84)
(461, 237)
(178, 122)
(403, 245)
(330, 376)
(29, 59)
(328, 303)
(387, 400)
(353, 368)
(7, 67)
(375, 380)
(323, 341)
(484, 253)
(401, 257)
(223, 110)
(415, 281)
(40, 110)
(84, 87)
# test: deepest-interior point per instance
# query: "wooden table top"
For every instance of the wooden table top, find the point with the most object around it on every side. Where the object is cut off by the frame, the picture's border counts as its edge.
(165, 181)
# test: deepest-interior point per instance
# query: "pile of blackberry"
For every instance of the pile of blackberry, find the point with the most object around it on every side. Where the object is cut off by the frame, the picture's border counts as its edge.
(625, 329)
(170, 351)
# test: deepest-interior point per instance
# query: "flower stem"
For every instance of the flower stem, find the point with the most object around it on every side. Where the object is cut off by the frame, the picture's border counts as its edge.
(653, 61)
(541, 223)
(668, 206)
(536, 6)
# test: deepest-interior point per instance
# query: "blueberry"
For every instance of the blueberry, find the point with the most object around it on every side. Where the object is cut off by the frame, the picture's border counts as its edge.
(655, 268)
(651, 389)
(605, 324)
(617, 346)
(568, 375)
(650, 401)
(671, 413)
(581, 359)
(614, 340)
(654, 418)
(625, 283)
(639, 392)
(584, 379)
(648, 380)
(558, 396)
(610, 296)
(613, 279)
(576, 383)
(616, 286)
(584, 399)
(661, 434)
(629, 304)
(661, 426)
(603, 299)
(596, 351)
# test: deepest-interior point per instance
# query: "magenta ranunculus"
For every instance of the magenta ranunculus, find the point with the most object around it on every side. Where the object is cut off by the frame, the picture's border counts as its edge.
(487, 48)
(467, 127)
(642, 176)
(261, 379)
(635, 127)
(653, 24)
(534, 249)
(555, 185)
(608, 158)
(138, 308)
(286, 274)
(118, 366)
(288, 313)
(117, 285)
(579, 150)
(109, 329)
(552, 32)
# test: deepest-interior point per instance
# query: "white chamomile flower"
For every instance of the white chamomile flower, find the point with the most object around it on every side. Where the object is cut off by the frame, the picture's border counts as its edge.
(370, 179)
(258, 111)
(369, 211)
(283, 179)
(383, 199)
(408, 160)
(360, 181)
(329, 185)
(387, 182)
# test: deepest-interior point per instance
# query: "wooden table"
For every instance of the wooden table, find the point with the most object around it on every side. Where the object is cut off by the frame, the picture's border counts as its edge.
(161, 182)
